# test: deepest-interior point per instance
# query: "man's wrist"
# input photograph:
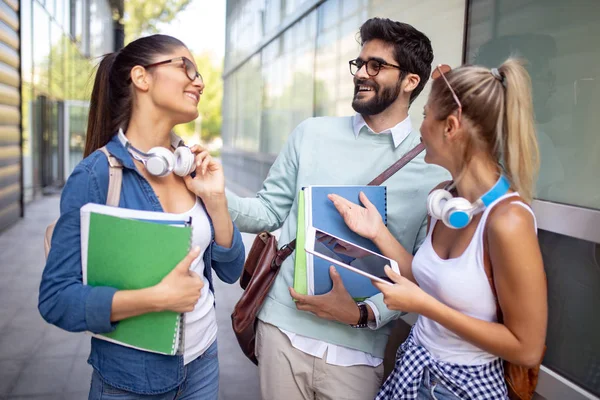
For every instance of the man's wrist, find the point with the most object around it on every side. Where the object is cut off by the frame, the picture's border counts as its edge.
(371, 313)
(352, 318)
(363, 319)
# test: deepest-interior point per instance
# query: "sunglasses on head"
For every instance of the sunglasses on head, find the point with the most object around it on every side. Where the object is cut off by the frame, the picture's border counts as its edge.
(186, 64)
(441, 70)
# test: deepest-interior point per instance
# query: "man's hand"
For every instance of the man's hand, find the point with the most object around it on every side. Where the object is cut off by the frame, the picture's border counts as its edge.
(336, 305)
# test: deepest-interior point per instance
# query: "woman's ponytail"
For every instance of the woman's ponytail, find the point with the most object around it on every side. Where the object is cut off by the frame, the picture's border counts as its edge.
(99, 128)
(520, 148)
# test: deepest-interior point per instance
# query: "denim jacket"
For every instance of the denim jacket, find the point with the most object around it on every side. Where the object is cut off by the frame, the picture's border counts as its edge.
(65, 302)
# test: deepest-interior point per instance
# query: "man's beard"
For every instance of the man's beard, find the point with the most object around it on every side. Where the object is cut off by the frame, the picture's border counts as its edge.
(382, 99)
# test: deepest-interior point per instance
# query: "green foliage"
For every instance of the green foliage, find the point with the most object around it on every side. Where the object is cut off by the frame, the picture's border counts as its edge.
(208, 125)
(143, 16)
(64, 73)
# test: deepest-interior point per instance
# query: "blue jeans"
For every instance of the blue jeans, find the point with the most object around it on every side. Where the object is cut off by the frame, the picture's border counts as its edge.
(431, 389)
(201, 382)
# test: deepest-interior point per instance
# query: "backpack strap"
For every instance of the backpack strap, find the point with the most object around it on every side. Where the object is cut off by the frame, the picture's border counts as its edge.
(115, 178)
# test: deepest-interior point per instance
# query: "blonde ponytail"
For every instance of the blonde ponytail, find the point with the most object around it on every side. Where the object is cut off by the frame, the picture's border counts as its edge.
(519, 143)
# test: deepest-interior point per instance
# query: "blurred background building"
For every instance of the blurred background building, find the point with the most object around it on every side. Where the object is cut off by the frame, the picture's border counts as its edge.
(287, 60)
(47, 52)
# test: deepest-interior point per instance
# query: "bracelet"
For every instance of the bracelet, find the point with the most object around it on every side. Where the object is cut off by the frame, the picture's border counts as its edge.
(364, 316)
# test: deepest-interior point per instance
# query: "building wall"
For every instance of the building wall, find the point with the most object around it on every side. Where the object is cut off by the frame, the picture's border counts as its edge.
(559, 41)
(10, 153)
(287, 60)
(47, 52)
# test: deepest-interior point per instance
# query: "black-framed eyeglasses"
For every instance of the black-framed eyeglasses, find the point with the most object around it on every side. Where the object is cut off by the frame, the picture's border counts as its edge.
(373, 66)
(190, 69)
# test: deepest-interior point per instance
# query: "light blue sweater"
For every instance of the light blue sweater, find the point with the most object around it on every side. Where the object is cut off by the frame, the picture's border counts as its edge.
(325, 151)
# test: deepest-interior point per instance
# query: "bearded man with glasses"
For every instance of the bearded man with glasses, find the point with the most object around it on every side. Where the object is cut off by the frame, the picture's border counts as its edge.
(329, 346)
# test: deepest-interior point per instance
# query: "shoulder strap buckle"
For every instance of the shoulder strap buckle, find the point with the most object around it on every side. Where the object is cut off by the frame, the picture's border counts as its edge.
(113, 162)
(115, 177)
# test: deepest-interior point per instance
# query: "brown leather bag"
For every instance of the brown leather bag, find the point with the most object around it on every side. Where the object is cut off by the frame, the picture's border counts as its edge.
(262, 266)
(521, 381)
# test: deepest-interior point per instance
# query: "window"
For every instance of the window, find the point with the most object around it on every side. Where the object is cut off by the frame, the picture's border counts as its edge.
(288, 75)
(26, 87)
(243, 128)
(41, 49)
(573, 302)
(563, 57)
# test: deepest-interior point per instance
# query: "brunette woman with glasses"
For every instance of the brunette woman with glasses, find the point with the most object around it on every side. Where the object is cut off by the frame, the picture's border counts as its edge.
(477, 282)
(140, 93)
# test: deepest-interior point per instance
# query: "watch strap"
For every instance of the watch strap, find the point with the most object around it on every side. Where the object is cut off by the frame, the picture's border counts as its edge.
(364, 315)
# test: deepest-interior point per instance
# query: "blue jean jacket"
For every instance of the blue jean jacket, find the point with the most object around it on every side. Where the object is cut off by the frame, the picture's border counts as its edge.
(69, 304)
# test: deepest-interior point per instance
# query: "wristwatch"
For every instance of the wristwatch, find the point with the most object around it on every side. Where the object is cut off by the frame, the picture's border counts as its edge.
(364, 315)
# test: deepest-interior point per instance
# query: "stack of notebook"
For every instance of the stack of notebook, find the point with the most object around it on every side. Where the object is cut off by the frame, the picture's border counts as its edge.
(128, 250)
(311, 274)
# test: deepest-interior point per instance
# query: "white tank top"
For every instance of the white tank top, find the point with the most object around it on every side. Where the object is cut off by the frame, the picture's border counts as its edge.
(201, 323)
(460, 283)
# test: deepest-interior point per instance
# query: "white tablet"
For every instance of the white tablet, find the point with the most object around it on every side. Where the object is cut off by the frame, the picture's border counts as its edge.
(348, 255)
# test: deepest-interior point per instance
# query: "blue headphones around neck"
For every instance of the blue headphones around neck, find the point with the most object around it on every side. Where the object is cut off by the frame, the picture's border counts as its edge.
(457, 212)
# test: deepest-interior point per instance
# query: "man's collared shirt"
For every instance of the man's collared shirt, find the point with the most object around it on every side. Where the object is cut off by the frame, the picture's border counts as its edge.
(398, 132)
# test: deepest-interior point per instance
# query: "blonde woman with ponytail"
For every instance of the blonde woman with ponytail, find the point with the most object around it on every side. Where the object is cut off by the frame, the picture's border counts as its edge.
(479, 126)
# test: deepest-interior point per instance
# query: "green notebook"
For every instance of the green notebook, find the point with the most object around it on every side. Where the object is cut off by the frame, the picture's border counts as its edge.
(135, 250)
(300, 273)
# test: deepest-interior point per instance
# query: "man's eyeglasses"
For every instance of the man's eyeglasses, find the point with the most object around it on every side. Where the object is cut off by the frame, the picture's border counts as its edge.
(186, 64)
(440, 70)
(373, 66)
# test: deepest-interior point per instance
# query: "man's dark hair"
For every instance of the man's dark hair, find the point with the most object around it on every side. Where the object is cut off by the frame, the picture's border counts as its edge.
(412, 49)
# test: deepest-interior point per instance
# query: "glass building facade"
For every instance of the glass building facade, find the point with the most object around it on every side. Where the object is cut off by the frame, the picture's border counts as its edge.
(61, 41)
(48, 49)
(287, 60)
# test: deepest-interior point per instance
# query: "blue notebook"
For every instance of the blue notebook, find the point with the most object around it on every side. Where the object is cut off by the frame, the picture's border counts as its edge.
(325, 217)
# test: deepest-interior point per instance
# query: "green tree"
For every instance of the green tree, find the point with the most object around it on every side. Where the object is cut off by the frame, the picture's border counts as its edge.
(65, 74)
(142, 16)
(208, 125)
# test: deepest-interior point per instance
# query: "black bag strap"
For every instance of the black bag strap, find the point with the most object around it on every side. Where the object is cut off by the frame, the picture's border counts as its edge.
(286, 250)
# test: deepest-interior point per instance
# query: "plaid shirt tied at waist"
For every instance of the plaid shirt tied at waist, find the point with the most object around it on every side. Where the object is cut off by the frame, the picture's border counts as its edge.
(465, 381)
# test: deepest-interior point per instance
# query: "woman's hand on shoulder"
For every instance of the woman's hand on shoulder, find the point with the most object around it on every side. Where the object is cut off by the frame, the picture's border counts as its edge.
(209, 182)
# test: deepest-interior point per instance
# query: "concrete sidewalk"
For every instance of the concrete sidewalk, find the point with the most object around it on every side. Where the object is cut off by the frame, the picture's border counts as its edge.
(39, 361)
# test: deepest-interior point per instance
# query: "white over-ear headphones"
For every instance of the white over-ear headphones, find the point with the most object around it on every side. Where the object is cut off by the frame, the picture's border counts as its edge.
(457, 212)
(160, 161)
